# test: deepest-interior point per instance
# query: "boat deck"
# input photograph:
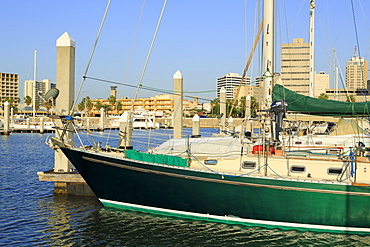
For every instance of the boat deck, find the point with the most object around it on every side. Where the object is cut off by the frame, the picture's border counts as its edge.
(314, 169)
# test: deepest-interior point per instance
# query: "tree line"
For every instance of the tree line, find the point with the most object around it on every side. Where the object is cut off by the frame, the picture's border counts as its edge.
(87, 105)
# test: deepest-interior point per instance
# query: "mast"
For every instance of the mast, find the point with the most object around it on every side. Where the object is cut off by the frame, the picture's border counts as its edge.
(268, 50)
(336, 77)
(312, 48)
(34, 85)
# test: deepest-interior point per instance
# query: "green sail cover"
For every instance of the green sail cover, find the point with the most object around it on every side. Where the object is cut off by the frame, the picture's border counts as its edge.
(156, 158)
(309, 105)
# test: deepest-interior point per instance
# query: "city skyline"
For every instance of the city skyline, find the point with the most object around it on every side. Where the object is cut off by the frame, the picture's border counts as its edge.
(204, 40)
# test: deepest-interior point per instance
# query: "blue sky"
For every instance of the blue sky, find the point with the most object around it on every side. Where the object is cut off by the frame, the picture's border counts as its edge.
(203, 39)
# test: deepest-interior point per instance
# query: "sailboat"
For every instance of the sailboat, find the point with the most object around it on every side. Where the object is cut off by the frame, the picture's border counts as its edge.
(351, 123)
(219, 179)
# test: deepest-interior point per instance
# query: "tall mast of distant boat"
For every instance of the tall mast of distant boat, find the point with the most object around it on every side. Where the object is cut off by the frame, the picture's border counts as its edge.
(312, 48)
(34, 85)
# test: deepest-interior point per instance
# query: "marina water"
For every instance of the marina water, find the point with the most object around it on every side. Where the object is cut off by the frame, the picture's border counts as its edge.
(31, 215)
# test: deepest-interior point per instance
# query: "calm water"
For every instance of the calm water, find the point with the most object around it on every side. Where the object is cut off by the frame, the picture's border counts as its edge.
(31, 215)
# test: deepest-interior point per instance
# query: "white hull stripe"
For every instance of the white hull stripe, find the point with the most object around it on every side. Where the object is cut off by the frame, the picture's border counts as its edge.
(242, 220)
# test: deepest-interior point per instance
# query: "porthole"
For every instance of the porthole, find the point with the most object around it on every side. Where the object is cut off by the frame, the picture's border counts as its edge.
(297, 169)
(248, 165)
(334, 171)
(210, 162)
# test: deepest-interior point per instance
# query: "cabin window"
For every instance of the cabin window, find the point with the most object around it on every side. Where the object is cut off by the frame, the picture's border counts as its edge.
(334, 171)
(248, 165)
(297, 169)
(298, 143)
(210, 162)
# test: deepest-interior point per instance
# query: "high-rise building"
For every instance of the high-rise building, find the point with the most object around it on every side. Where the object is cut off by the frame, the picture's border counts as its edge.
(41, 88)
(9, 86)
(253, 91)
(229, 81)
(357, 73)
(295, 66)
(322, 83)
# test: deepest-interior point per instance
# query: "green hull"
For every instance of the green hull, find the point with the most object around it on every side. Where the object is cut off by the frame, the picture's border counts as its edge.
(129, 184)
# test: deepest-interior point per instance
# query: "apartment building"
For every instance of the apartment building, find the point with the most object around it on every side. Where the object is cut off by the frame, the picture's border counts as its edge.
(357, 73)
(160, 103)
(229, 81)
(40, 89)
(9, 86)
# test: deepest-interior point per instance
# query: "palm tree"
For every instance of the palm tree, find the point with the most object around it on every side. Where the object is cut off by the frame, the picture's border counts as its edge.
(98, 105)
(112, 101)
(27, 100)
(11, 101)
(37, 106)
(323, 96)
(119, 106)
(17, 100)
(254, 106)
(242, 105)
(351, 98)
(106, 108)
(15, 109)
(47, 105)
(89, 105)
(232, 104)
(215, 106)
(81, 105)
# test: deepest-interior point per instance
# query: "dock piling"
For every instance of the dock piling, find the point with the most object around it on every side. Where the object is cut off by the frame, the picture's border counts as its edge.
(6, 118)
(177, 119)
(196, 126)
(223, 109)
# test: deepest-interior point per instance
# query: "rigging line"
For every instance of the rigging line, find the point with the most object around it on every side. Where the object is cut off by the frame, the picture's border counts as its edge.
(355, 25)
(143, 87)
(254, 35)
(298, 13)
(287, 37)
(148, 56)
(159, 89)
(340, 72)
(144, 68)
(363, 13)
(245, 28)
(246, 67)
(133, 41)
(91, 56)
(358, 43)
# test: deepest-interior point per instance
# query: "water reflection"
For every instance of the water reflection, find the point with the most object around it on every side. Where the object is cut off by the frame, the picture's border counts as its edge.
(65, 218)
(73, 220)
